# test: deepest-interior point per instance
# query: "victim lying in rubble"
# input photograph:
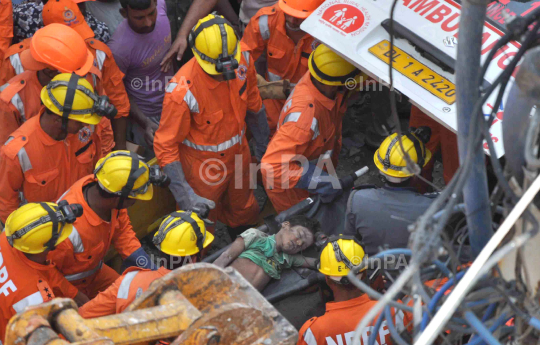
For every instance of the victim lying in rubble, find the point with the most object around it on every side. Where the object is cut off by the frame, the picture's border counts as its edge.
(260, 257)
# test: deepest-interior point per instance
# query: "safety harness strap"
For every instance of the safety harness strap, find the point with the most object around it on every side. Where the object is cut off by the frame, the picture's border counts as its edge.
(340, 257)
(419, 153)
(43, 220)
(417, 146)
(68, 101)
(200, 237)
(134, 174)
(221, 23)
(54, 84)
(54, 219)
(184, 217)
(386, 161)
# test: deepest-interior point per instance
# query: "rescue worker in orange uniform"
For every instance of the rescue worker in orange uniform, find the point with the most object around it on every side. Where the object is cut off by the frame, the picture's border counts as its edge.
(201, 138)
(105, 77)
(27, 277)
(442, 140)
(119, 180)
(111, 81)
(309, 130)
(180, 235)
(53, 150)
(6, 25)
(53, 49)
(350, 305)
(275, 31)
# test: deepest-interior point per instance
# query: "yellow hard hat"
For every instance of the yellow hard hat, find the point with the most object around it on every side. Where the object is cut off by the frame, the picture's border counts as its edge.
(390, 159)
(82, 108)
(123, 171)
(340, 255)
(181, 234)
(206, 42)
(329, 68)
(32, 227)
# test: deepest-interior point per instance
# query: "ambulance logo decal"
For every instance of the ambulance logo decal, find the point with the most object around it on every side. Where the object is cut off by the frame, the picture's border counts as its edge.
(241, 72)
(345, 18)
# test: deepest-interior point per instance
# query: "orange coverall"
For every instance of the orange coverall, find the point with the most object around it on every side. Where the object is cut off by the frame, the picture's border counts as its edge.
(131, 284)
(109, 77)
(337, 325)
(6, 25)
(80, 257)
(35, 167)
(441, 139)
(285, 59)
(26, 283)
(203, 127)
(20, 100)
(309, 127)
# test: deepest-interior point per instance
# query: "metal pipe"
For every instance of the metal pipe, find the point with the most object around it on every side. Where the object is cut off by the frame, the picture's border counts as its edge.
(475, 191)
(477, 268)
(482, 330)
(523, 95)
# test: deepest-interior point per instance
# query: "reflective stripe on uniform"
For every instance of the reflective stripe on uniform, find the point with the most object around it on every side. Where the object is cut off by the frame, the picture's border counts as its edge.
(216, 148)
(323, 157)
(191, 101)
(170, 87)
(8, 141)
(24, 160)
(273, 77)
(15, 60)
(293, 117)
(309, 338)
(327, 154)
(189, 98)
(76, 240)
(18, 103)
(84, 274)
(33, 299)
(123, 290)
(100, 57)
(263, 27)
(246, 57)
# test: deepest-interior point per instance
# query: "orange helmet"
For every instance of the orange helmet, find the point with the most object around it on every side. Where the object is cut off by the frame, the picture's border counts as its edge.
(62, 48)
(299, 8)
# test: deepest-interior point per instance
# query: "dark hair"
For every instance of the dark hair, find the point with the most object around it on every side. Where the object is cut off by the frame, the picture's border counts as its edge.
(312, 225)
(136, 4)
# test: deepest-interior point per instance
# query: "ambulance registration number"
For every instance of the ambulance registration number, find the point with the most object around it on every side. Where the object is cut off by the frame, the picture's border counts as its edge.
(417, 72)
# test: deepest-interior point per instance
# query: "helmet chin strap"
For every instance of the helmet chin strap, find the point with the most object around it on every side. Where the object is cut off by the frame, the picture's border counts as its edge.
(296, 29)
(68, 101)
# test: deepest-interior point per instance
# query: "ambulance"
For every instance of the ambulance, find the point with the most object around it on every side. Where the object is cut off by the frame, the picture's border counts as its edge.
(425, 48)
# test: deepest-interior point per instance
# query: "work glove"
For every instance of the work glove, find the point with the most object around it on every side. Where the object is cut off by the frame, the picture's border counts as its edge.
(274, 89)
(317, 181)
(139, 258)
(183, 193)
(258, 125)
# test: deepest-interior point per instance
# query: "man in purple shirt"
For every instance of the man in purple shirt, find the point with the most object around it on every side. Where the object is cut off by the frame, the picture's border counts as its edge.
(139, 44)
